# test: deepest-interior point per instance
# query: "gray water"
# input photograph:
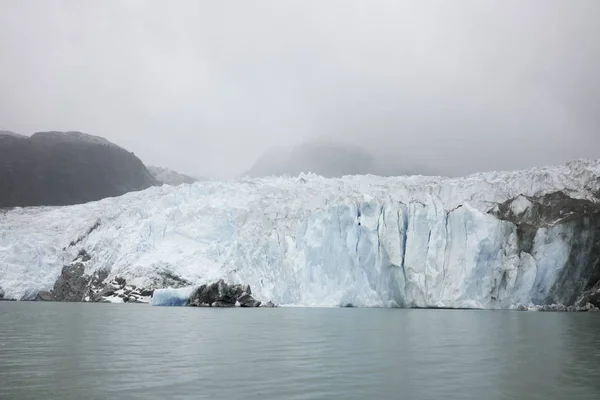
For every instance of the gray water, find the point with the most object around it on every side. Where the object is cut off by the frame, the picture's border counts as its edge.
(101, 351)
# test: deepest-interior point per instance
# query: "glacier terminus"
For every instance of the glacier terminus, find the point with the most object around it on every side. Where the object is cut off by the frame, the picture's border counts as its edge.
(490, 240)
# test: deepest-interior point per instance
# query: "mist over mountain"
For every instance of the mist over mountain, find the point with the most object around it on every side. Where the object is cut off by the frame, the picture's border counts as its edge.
(169, 177)
(64, 168)
(331, 159)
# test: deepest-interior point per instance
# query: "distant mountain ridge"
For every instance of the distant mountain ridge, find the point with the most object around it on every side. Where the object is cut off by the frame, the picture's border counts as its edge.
(64, 168)
(329, 159)
(169, 177)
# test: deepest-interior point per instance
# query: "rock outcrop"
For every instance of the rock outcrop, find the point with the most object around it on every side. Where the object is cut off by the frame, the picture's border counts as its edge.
(167, 279)
(590, 297)
(246, 300)
(576, 223)
(220, 294)
(2, 296)
(44, 296)
(64, 168)
(74, 285)
(561, 308)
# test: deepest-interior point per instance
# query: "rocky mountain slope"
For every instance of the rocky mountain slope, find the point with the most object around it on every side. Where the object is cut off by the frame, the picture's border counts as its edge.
(169, 177)
(65, 168)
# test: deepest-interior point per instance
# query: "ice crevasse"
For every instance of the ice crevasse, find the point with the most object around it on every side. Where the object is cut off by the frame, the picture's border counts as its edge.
(492, 240)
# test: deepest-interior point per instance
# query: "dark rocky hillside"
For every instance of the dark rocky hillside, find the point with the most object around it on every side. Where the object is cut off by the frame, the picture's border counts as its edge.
(64, 168)
(169, 177)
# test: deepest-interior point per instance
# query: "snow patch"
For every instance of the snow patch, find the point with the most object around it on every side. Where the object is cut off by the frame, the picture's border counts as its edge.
(113, 299)
(520, 205)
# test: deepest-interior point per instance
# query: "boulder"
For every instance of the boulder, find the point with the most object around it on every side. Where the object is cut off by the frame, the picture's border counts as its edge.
(196, 303)
(211, 294)
(44, 296)
(204, 295)
(235, 291)
(72, 284)
(222, 304)
(133, 299)
(107, 291)
(591, 296)
(83, 256)
(221, 294)
(228, 293)
(269, 304)
(147, 292)
(167, 279)
(246, 300)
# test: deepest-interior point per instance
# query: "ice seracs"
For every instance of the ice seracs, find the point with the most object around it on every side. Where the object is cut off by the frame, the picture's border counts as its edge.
(492, 240)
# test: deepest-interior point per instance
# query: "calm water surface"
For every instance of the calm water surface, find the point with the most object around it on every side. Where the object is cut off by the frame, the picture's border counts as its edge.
(100, 351)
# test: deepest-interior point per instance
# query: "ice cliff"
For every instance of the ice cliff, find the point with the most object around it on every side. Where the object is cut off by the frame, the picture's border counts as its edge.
(492, 240)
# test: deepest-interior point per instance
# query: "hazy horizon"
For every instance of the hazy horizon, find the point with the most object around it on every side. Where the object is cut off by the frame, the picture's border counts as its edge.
(207, 88)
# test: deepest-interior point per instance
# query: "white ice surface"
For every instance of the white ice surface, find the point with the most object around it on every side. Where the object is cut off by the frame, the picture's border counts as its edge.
(308, 240)
(520, 205)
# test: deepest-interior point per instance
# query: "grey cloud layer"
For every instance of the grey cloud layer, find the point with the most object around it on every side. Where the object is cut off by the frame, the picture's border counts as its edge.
(206, 87)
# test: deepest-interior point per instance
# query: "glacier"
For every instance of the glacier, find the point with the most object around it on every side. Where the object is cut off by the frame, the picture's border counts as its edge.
(368, 241)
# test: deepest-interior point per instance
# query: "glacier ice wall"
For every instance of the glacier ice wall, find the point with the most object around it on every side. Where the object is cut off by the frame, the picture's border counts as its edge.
(364, 240)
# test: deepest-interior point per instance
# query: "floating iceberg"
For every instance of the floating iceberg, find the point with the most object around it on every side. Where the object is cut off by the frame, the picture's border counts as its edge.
(171, 297)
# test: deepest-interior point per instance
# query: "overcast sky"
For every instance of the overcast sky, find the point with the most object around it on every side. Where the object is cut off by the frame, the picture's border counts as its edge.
(206, 87)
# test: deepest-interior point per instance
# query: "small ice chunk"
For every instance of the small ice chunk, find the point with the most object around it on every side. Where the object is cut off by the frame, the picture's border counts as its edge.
(113, 299)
